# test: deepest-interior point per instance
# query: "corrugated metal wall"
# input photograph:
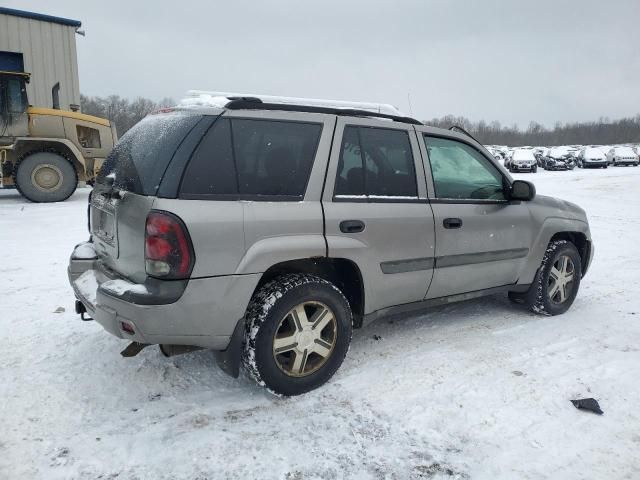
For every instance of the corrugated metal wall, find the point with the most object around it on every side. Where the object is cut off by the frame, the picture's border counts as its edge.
(49, 51)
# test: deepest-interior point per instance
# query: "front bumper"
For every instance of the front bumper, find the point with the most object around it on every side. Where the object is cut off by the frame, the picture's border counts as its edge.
(203, 312)
(599, 163)
(523, 167)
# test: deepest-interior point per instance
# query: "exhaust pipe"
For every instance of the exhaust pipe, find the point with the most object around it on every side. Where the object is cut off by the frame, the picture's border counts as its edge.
(173, 350)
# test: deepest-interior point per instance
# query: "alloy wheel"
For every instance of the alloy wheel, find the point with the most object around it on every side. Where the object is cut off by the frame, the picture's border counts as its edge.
(561, 279)
(305, 339)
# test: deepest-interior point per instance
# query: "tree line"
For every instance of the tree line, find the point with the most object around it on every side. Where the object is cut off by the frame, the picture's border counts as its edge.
(601, 132)
(126, 113)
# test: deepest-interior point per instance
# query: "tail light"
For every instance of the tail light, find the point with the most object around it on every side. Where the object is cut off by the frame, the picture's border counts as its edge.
(168, 250)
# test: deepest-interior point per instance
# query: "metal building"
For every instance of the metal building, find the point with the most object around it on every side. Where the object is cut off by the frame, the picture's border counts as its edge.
(44, 46)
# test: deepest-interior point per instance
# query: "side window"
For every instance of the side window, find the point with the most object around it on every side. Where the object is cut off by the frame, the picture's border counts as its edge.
(350, 178)
(461, 172)
(16, 96)
(247, 158)
(376, 162)
(272, 157)
(211, 169)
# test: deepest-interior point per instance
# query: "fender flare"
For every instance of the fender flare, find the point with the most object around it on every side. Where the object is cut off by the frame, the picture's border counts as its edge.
(77, 158)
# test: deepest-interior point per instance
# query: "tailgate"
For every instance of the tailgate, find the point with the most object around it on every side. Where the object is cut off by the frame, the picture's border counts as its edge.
(118, 229)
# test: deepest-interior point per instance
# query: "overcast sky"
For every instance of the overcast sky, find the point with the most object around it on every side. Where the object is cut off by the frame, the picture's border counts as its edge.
(512, 61)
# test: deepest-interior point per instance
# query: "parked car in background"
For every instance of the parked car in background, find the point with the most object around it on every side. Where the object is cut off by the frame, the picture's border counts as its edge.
(523, 160)
(622, 156)
(559, 158)
(604, 149)
(591, 157)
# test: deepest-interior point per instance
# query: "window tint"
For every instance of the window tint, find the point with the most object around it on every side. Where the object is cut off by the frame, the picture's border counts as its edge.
(460, 171)
(244, 158)
(376, 162)
(274, 158)
(350, 179)
(211, 169)
(141, 156)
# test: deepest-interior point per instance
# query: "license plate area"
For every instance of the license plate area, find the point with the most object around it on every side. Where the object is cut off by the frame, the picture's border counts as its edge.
(104, 226)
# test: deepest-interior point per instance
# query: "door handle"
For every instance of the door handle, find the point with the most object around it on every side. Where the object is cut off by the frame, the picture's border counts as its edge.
(452, 223)
(351, 226)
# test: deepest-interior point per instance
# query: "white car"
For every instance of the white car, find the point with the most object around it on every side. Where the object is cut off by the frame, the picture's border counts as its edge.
(523, 160)
(622, 156)
(592, 157)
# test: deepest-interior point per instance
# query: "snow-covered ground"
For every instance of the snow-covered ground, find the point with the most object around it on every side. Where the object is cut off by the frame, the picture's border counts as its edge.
(474, 390)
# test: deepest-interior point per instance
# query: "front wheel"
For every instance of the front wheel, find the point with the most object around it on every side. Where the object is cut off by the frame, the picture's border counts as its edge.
(298, 332)
(46, 177)
(557, 281)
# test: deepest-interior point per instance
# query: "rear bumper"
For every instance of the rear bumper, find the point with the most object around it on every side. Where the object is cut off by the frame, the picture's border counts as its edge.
(202, 312)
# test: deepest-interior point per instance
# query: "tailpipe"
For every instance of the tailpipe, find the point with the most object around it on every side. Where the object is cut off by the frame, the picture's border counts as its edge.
(173, 350)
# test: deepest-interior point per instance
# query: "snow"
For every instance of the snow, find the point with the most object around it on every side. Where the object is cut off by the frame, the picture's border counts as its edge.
(594, 153)
(523, 154)
(84, 251)
(204, 100)
(194, 97)
(119, 287)
(480, 388)
(87, 283)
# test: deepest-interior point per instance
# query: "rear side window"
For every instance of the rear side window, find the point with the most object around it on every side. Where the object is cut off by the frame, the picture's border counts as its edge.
(140, 158)
(376, 162)
(246, 158)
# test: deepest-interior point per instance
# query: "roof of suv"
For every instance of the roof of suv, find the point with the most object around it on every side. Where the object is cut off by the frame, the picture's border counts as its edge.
(216, 101)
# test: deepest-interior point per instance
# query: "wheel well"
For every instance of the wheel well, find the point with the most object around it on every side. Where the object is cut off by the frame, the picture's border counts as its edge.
(579, 239)
(26, 148)
(343, 273)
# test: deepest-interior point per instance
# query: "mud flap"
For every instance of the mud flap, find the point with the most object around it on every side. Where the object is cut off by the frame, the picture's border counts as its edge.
(133, 349)
(229, 360)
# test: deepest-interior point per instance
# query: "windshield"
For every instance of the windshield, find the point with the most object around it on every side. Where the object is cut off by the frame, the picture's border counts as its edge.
(140, 158)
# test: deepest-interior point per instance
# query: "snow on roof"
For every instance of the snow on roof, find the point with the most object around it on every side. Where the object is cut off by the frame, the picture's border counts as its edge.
(220, 99)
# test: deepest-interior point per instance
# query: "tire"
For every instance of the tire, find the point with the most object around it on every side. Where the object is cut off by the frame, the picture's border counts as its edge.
(46, 177)
(539, 298)
(534, 169)
(275, 311)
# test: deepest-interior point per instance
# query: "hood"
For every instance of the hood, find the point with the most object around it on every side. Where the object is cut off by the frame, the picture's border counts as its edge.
(556, 207)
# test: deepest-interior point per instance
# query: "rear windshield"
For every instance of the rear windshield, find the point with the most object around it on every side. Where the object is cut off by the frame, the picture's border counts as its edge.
(140, 158)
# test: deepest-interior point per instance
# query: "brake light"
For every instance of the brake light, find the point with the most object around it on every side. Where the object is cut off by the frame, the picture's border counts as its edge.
(168, 250)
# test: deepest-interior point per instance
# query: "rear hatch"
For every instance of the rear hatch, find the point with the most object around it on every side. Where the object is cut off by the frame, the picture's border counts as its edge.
(126, 188)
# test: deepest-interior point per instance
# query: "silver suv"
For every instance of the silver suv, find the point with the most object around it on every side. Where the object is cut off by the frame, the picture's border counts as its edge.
(268, 231)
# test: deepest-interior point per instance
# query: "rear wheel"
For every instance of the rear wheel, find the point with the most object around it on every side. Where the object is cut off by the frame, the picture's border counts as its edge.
(297, 335)
(46, 177)
(557, 281)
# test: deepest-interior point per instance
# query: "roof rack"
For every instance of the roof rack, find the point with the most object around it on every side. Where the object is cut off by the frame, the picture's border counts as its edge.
(459, 129)
(248, 103)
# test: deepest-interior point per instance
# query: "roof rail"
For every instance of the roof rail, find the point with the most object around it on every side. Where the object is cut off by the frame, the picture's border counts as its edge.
(249, 103)
(458, 128)
(193, 95)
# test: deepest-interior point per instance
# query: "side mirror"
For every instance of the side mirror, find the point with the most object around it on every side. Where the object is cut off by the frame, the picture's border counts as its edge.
(522, 190)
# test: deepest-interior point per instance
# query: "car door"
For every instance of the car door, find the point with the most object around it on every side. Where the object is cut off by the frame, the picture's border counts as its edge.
(482, 238)
(376, 210)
